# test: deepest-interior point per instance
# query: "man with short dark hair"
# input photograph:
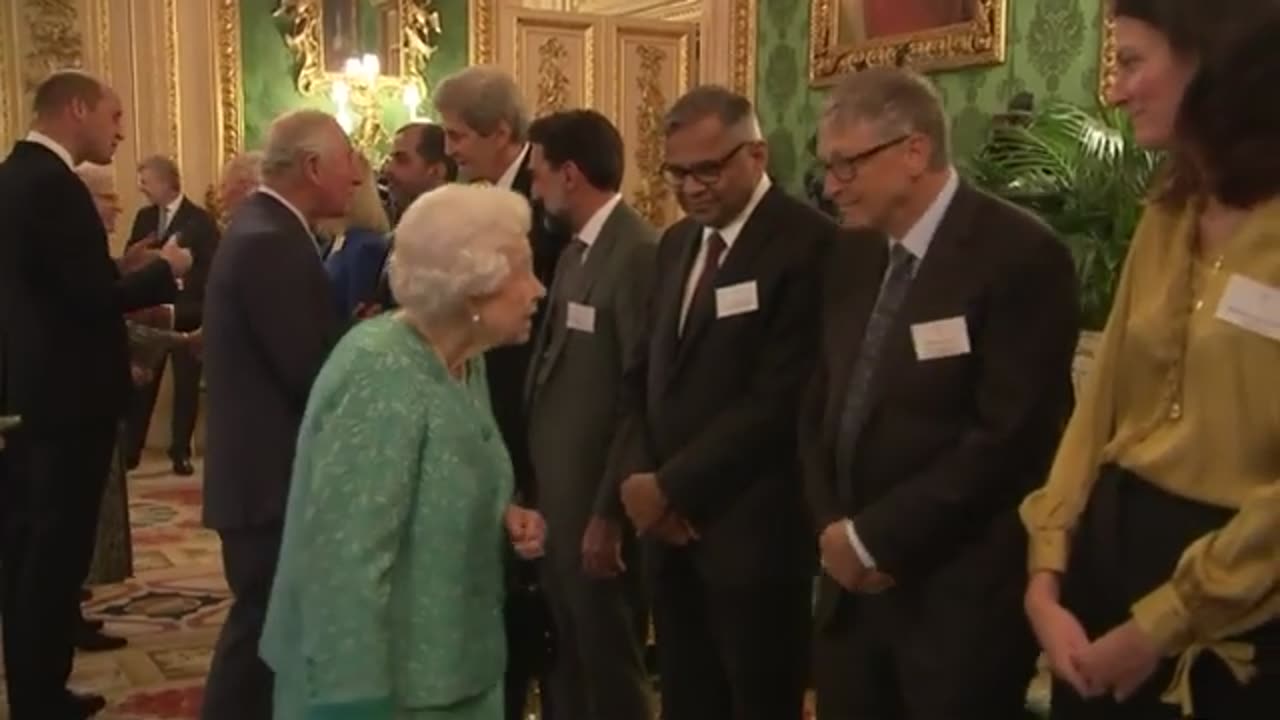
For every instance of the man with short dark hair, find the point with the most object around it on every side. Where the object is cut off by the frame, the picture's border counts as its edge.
(707, 446)
(418, 163)
(171, 215)
(594, 327)
(64, 368)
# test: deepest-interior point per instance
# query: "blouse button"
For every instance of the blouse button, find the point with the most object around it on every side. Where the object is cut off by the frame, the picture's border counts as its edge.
(1175, 411)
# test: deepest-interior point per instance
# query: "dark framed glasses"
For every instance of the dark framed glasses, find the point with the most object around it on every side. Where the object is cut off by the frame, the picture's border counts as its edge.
(707, 173)
(845, 168)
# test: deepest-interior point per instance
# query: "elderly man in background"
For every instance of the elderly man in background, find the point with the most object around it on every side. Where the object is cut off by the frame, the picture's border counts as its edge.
(401, 617)
(485, 132)
(270, 322)
(240, 176)
(64, 356)
(171, 215)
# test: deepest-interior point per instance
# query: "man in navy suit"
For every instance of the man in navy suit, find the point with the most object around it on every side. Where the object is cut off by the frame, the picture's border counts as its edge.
(64, 367)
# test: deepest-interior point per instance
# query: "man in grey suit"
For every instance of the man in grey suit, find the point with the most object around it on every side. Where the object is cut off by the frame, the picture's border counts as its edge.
(591, 332)
(269, 325)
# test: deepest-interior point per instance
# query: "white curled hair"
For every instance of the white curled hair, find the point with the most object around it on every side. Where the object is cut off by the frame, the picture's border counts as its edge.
(449, 246)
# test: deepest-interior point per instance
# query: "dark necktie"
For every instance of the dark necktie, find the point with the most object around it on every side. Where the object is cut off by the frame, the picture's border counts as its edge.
(703, 299)
(568, 268)
(857, 399)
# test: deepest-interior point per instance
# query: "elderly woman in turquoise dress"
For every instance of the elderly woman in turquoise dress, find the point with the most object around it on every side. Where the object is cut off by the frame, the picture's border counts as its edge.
(388, 598)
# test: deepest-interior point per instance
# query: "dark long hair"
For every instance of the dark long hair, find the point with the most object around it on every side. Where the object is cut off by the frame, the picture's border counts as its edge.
(1213, 33)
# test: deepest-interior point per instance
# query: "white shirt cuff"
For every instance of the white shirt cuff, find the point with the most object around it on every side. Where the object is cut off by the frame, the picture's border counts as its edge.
(863, 556)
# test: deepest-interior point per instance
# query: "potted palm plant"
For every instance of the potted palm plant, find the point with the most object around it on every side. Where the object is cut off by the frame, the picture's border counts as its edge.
(1083, 173)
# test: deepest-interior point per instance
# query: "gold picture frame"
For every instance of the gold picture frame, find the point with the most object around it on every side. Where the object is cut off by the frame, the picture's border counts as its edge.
(418, 28)
(230, 103)
(1107, 52)
(840, 42)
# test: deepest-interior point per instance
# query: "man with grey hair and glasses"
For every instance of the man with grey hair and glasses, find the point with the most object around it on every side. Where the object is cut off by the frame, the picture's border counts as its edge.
(706, 450)
(171, 215)
(486, 127)
(943, 382)
(269, 325)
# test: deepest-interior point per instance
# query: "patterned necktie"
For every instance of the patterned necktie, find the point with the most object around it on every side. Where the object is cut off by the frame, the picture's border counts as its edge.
(856, 403)
(704, 289)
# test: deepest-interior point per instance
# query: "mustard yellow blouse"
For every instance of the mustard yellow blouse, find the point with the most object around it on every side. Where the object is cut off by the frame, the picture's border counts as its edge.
(1191, 402)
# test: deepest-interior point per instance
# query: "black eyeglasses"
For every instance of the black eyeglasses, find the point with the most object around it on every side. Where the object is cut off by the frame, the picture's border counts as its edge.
(707, 172)
(845, 169)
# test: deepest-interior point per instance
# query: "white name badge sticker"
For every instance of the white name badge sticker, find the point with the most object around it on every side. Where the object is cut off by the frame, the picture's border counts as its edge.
(941, 338)
(581, 318)
(737, 299)
(1251, 305)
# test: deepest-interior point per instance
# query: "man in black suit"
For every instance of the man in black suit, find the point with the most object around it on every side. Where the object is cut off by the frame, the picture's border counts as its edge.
(485, 126)
(172, 215)
(708, 444)
(944, 380)
(269, 325)
(594, 326)
(65, 360)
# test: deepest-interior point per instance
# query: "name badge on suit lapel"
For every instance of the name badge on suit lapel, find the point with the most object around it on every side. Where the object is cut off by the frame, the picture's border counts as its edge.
(738, 299)
(581, 318)
(1251, 305)
(941, 338)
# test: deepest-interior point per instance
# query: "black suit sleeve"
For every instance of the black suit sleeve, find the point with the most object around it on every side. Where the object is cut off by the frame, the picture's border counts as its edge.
(632, 313)
(815, 463)
(720, 462)
(1025, 345)
(141, 226)
(152, 284)
(281, 282)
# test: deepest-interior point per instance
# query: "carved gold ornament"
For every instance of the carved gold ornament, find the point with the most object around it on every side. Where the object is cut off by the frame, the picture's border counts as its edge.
(653, 193)
(1107, 60)
(553, 82)
(834, 51)
(230, 93)
(54, 40)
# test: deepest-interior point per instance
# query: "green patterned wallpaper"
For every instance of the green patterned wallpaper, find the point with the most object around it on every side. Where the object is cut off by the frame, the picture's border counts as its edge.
(1053, 53)
(268, 68)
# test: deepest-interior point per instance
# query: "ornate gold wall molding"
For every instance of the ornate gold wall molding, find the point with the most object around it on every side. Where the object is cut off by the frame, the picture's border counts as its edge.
(483, 34)
(173, 82)
(8, 76)
(230, 93)
(553, 83)
(652, 195)
(1107, 52)
(54, 40)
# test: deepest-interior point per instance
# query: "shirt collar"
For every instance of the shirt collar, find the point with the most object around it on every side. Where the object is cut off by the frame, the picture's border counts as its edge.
(292, 208)
(54, 146)
(509, 177)
(591, 230)
(920, 236)
(729, 233)
(172, 208)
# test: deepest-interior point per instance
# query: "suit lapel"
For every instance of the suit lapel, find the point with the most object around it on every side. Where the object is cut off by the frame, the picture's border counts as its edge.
(866, 260)
(738, 266)
(667, 314)
(932, 292)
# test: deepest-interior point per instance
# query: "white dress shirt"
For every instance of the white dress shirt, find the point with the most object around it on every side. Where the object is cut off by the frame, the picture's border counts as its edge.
(41, 139)
(509, 176)
(917, 242)
(591, 229)
(729, 234)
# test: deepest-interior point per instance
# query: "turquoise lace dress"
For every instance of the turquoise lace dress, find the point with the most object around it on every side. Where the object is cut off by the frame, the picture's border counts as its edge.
(388, 598)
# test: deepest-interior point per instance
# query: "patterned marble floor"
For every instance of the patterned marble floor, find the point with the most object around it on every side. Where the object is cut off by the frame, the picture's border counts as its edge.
(170, 611)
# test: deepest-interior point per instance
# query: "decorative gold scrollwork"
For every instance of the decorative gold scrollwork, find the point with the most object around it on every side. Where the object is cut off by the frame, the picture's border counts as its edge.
(553, 83)
(652, 196)
(54, 38)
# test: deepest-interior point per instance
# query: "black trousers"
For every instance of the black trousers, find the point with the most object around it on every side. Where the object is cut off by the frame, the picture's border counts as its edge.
(186, 406)
(530, 641)
(1128, 542)
(51, 510)
(729, 653)
(240, 684)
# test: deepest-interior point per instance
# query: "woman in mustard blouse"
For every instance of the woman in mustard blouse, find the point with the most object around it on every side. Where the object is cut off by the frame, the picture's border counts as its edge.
(1155, 543)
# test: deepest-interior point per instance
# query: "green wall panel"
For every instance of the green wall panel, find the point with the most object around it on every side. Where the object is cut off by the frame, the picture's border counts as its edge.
(1053, 53)
(268, 69)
